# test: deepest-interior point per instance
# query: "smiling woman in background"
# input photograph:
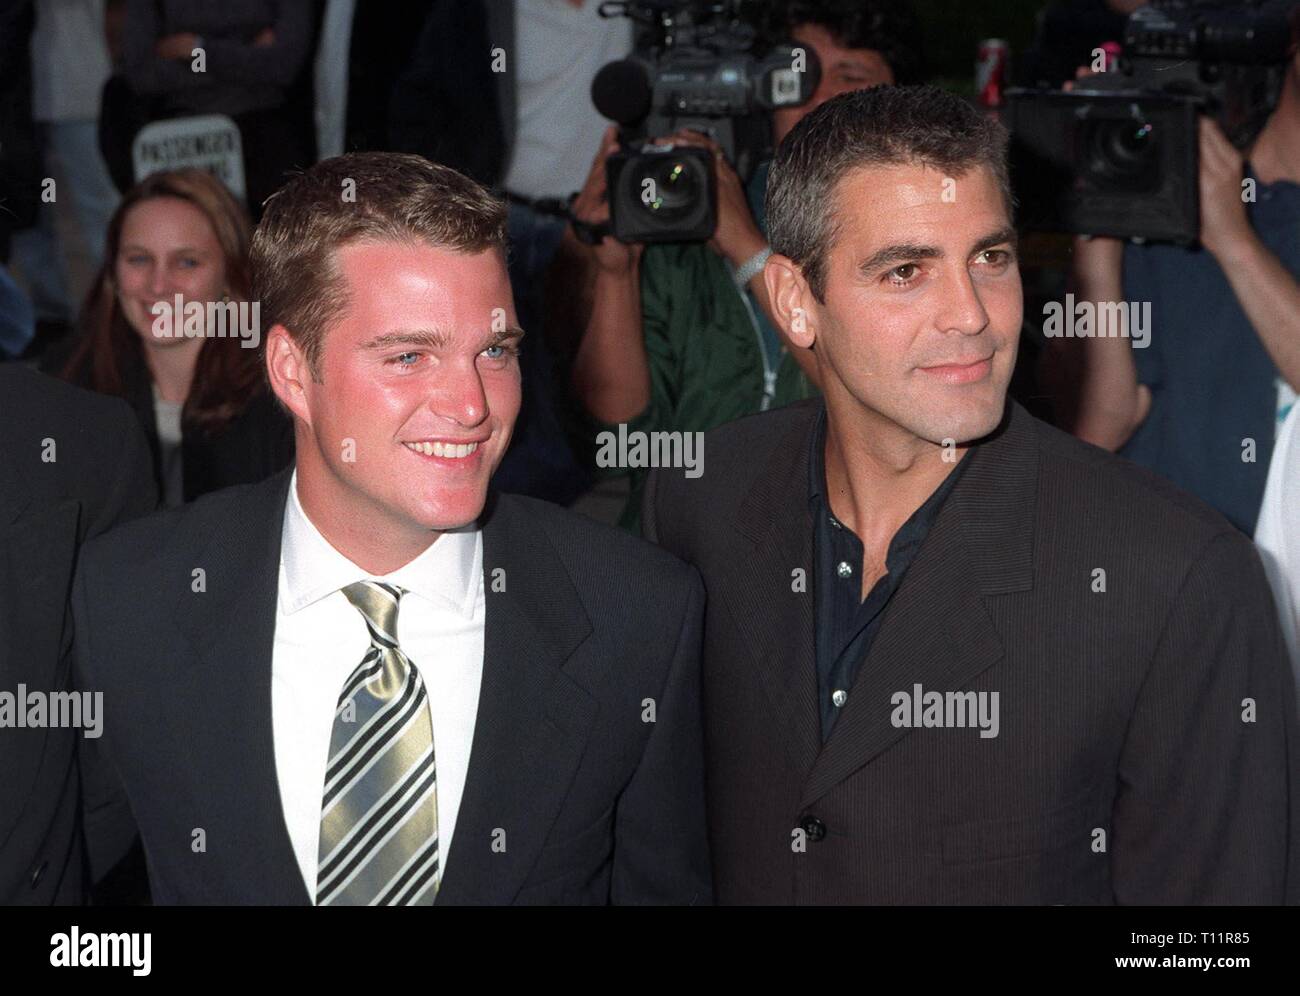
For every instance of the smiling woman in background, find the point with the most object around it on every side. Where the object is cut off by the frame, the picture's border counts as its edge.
(182, 238)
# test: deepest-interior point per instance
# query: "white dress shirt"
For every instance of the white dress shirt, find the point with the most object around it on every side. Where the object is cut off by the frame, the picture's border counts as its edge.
(1277, 533)
(320, 638)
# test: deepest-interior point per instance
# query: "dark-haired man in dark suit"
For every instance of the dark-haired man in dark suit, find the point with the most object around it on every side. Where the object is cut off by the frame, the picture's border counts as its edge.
(953, 655)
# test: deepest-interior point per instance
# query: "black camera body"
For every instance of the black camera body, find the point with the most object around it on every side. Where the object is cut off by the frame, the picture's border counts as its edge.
(702, 67)
(661, 193)
(1118, 155)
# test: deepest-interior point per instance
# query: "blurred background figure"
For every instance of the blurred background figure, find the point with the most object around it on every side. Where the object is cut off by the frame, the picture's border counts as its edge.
(1066, 32)
(59, 254)
(202, 400)
(17, 318)
(254, 55)
(361, 52)
(1203, 401)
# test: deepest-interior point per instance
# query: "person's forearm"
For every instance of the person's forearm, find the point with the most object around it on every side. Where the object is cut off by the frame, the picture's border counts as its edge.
(277, 64)
(148, 74)
(1112, 404)
(611, 372)
(1270, 297)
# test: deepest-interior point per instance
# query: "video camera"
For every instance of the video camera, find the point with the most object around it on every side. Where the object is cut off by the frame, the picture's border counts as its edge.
(698, 65)
(1118, 155)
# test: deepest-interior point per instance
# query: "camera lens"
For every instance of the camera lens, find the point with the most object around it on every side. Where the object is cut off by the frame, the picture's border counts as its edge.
(671, 188)
(1123, 151)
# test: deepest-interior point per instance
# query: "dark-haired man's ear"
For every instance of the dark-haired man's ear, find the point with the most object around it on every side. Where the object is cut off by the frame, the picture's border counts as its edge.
(288, 372)
(791, 299)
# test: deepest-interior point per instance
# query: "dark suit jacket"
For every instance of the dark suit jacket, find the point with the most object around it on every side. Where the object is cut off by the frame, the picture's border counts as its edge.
(1121, 712)
(596, 804)
(99, 477)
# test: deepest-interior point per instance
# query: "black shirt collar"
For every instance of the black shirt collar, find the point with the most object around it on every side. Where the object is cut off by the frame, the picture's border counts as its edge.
(820, 504)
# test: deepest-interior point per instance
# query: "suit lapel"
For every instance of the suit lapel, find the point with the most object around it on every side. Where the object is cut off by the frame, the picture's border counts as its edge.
(936, 632)
(533, 719)
(774, 612)
(231, 628)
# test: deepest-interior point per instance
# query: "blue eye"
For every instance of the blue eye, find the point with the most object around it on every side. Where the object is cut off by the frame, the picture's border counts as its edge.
(501, 350)
(401, 359)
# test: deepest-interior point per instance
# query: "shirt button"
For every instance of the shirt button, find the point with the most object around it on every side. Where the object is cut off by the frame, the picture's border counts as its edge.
(845, 569)
(813, 827)
(839, 697)
(836, 522)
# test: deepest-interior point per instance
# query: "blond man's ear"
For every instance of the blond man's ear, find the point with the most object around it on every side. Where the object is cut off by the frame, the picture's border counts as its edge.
(288, 371)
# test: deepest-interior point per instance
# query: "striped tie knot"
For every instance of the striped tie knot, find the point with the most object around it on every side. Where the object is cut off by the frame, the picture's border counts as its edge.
(377, 602)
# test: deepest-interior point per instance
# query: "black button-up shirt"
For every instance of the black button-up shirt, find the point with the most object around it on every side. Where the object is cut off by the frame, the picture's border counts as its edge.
(846, 623)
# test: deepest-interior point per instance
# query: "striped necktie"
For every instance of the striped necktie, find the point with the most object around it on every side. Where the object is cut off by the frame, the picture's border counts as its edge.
(379, 816)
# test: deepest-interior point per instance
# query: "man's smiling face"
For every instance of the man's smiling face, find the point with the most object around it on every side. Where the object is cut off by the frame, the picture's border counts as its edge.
(418, 387)
(923, 305)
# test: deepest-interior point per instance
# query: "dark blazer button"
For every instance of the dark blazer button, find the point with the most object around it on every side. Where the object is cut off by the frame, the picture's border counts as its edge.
(813, 827)
(40, 870)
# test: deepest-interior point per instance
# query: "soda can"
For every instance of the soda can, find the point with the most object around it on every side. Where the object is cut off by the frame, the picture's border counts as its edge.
(991, 63)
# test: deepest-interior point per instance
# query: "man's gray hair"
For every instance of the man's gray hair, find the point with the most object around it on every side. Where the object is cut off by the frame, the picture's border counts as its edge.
(879, 126)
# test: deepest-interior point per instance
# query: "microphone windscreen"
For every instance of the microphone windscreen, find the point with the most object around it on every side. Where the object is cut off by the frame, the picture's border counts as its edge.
(621, 91)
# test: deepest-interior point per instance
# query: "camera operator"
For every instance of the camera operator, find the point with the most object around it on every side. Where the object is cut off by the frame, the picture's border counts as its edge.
(1202, 403)
(679, 335)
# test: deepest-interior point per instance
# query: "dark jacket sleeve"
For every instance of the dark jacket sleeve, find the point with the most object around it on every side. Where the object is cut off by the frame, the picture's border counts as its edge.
(108, 827)
(661, 846)
(227, 59)
(1201, 813)
(277, 64)
(146, 72)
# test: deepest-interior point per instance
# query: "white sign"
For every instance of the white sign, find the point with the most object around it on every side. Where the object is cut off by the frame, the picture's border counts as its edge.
(210, 142)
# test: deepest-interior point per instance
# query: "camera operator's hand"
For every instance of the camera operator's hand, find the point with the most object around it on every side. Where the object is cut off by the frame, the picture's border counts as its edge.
(1223, 212)
(176, 46)
(592, 206)
(1098, 259)
(736, 237)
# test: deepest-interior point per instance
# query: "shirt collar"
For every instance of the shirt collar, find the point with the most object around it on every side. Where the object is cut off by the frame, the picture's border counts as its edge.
(817, 461)
(818, 502)
(447, 572)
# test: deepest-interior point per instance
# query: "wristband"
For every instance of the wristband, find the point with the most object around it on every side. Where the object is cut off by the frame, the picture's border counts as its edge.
(751, 267)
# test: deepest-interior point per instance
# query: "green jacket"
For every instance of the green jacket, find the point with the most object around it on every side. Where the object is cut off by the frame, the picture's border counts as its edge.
(709, 362)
